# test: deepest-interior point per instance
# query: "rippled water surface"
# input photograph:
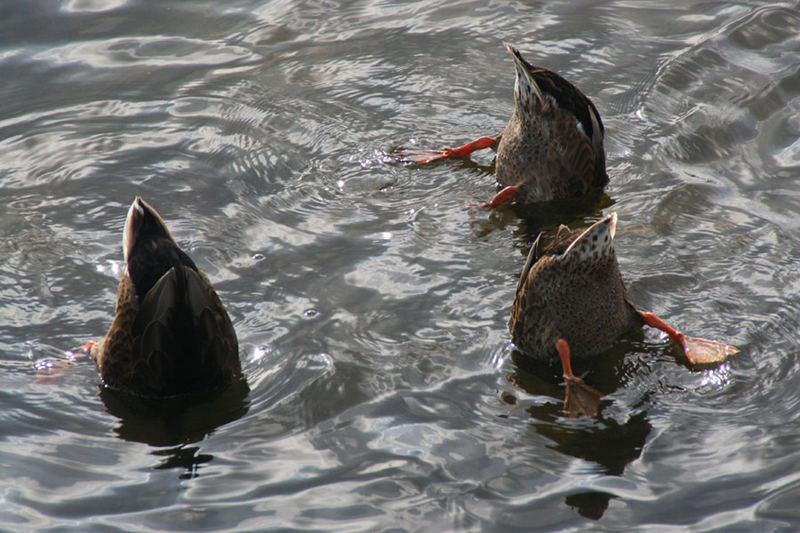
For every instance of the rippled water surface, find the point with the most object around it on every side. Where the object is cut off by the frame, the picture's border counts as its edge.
(372, 309)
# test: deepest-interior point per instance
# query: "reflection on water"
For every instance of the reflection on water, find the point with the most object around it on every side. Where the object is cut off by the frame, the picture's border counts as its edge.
(176, 422)
(601, 440)
(187, 458)
(371, 309)
(170, 421)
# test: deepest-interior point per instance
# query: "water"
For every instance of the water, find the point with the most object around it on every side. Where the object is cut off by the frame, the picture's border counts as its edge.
(371, 309)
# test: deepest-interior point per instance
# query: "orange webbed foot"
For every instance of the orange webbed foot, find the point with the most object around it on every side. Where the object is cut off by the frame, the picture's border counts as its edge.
(422, 157)
(49, 372)
(698, 351)
(701, 351)
(580, 399)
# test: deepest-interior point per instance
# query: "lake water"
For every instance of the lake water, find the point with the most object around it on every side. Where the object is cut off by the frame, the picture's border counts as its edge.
(371, 308)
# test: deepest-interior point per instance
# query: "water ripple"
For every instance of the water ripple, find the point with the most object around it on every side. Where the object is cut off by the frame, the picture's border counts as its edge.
(371, 310)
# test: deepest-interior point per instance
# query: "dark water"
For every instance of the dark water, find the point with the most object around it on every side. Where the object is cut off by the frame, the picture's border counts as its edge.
(371, 309)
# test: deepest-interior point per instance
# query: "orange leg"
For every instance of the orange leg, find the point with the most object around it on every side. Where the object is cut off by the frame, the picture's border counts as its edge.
(562, 346)
(654, 322)
(465, 150)
(427, 156)
(87, 347)
(505, 195)
(579, 398)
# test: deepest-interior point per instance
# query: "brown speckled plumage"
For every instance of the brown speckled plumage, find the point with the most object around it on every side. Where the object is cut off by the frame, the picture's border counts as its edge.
(170, 334)
(552, 147)
(572, 290)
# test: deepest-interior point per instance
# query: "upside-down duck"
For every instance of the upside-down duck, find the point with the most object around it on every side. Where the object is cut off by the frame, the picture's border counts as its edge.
(552, 146)
(571, 301)
(170, 334)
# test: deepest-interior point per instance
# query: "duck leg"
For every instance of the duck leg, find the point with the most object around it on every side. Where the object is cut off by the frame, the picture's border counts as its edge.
(579, 398)
(427, 156)
(505, 195)
(697, 350)
(51, 371)
(421, 157)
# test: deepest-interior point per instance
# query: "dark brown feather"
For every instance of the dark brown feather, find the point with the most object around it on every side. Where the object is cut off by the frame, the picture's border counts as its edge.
(171, 334)
(552, 147)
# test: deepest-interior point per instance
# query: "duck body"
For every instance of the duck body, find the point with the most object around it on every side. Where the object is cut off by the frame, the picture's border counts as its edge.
(170, 334)
(571, 302)
(552, 147)
(572, 290)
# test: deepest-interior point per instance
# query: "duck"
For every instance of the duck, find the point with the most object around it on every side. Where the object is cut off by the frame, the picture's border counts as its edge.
(571, 301)
(170, 334)
(552, 146)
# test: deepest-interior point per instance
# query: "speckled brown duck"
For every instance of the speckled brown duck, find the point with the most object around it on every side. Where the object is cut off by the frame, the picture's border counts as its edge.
(551, 148)
(571, 300)
(171, 334)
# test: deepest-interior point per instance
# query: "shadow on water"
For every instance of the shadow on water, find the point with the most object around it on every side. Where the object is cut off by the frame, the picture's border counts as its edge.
(602, 440)
(176, 422)
(531, 219)
(535, 217)
(572, 212)
(183, 457)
